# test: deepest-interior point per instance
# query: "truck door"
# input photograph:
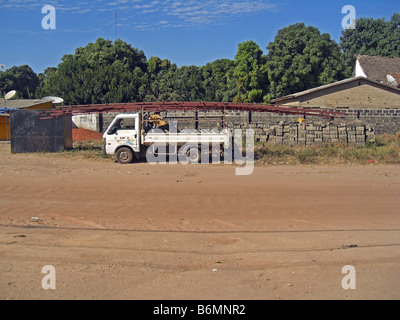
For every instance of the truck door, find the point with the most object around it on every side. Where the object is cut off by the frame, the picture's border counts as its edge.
(126, 133)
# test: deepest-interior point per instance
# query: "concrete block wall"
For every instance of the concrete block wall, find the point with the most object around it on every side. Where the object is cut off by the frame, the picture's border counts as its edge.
(383, 121)
(87, 121)
(282, 129)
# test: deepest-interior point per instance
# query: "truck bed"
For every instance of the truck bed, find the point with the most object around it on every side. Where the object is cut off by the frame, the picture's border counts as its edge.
(187, 136)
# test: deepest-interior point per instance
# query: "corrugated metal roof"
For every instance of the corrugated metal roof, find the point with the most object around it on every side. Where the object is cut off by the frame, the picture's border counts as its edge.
(334, 84)
(21, 104)
(377, 68)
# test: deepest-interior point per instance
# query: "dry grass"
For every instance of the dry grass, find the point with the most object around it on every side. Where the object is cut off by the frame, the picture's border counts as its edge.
(385, 151)
(90, 149)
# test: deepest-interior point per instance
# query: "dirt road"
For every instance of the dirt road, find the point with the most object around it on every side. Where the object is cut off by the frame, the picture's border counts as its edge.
(196, 232)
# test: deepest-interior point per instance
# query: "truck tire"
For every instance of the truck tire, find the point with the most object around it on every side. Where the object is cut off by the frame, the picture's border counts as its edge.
(193, 155)
(124, 155)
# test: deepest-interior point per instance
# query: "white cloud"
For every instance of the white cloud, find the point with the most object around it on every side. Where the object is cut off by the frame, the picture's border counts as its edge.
(143, 13)
(200, 13)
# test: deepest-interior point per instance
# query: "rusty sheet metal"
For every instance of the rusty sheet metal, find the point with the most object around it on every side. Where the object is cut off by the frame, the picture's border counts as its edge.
(186, 106)
(29, 133)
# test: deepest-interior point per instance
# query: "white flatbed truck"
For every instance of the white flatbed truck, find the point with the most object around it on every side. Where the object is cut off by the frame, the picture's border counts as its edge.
(132, 136)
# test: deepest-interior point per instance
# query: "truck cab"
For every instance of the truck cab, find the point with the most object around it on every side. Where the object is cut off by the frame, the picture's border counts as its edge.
(122, 137)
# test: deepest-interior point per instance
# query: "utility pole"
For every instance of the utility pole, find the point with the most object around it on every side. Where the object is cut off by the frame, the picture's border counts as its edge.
(116, 24)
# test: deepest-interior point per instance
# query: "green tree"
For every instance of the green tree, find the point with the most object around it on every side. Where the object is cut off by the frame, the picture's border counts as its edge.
(46, 80)
(166, 82)
(218, 81)
(101, 72)
(250, 73)
(7, 81)
(105, 53)
(188, 83)
(22, 79)
(302, 58)
(373, 37)
(159, 84)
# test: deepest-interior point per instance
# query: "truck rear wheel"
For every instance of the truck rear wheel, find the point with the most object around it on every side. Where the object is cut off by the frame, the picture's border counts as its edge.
(193, 154)
(124, 155)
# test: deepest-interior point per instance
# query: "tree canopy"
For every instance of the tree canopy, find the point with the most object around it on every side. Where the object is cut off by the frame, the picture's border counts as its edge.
(302, 58)
(101, 72)
(373, 37)
(22, 79)
(250, 73)
(299, 58)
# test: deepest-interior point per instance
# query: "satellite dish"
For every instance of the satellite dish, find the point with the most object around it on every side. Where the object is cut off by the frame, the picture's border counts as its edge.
(392, 81)
(10, 95)
(55, 100)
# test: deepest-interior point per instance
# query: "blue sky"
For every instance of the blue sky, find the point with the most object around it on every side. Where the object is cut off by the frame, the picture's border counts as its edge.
(191, 32)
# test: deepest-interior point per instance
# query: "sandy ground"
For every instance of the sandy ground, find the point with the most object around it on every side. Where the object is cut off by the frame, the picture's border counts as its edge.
(179, 232)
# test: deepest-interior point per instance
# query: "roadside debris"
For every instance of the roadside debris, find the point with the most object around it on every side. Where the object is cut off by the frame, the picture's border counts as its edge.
(344, 247)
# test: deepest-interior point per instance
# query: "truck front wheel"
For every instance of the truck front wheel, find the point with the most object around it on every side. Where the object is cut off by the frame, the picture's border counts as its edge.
(124, 155)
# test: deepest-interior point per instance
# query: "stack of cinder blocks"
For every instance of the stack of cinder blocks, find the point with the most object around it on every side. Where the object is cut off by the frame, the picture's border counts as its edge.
(316, 134)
